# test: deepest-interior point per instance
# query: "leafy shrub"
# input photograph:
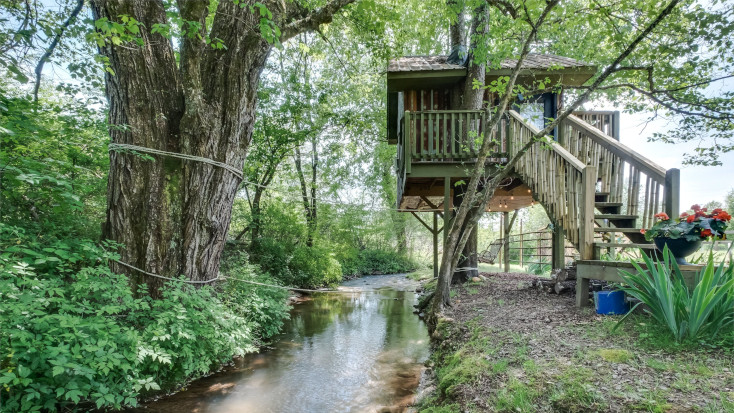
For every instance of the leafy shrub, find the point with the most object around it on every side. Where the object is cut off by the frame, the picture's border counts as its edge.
(71, 331)
(374, 261)
(267, 307)
(273, 257)
(314, 266)
(300, 266)
(705, 311)
(539, 269)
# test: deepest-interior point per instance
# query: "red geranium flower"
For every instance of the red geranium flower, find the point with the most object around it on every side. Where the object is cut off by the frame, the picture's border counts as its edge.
(716, 211)
(690, 218)
(662, 216)
(723, 216)
(706, 233)
(684, 215)
(695, 207)
(643, 231)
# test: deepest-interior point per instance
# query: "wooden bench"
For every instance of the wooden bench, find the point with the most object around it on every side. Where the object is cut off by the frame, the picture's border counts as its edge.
(610, 271)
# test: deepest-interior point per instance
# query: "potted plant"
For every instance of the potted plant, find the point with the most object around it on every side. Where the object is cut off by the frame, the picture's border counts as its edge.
(684, 235)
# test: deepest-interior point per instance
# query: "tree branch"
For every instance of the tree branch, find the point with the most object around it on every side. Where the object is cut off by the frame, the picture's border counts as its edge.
(55, 42)
(299, 23)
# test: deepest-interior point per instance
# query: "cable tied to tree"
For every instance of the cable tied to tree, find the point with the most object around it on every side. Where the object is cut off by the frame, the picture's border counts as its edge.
(222, 277)
(124, 146)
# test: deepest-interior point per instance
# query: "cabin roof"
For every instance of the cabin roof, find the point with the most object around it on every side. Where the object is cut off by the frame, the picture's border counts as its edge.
(438, 63)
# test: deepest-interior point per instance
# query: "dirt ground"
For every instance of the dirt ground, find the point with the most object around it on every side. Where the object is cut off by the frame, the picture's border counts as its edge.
(508, 346)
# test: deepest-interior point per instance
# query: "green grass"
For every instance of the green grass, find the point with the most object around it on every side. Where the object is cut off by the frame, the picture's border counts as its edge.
(484, 267)
(574, 393)
(516, 397)
(615, 355)
(421, 274)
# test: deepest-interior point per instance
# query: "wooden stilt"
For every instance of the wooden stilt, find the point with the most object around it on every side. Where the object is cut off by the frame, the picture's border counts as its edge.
(506, 246)
(435, 245)
(558, 247)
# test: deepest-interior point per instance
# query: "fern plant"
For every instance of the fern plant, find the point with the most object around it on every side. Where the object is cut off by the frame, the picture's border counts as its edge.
(706, 310)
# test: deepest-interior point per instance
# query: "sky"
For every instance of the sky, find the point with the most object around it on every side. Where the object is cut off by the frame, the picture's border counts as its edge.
(699, 184)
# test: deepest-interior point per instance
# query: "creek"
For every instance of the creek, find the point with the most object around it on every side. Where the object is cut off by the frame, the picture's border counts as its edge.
(361, 350)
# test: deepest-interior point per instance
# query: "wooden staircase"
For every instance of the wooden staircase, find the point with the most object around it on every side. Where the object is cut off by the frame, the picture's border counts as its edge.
(594, 186)
(610, 220)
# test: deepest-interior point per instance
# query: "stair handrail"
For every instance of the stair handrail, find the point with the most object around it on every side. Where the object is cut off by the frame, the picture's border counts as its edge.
(619, 149)
(644, 196)
(562, 152)
(566, 193)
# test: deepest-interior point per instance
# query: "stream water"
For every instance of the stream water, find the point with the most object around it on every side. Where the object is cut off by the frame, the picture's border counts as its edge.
(360, 352)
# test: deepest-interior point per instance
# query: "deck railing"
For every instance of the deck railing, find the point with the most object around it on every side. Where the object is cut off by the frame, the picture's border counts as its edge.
(605, 121)
(649, 187)
(447, 135)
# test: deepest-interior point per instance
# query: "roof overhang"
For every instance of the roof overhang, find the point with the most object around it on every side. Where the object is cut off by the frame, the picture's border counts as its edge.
(399, 81)
(575, 76)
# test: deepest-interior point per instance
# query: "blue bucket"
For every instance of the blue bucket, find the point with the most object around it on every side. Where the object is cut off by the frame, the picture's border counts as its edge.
(610, 302)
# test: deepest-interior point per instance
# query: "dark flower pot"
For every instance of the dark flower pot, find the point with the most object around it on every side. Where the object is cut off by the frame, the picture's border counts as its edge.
(681, 248)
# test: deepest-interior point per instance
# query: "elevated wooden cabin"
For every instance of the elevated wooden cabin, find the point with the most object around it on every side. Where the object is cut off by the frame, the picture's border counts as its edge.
(590, 184)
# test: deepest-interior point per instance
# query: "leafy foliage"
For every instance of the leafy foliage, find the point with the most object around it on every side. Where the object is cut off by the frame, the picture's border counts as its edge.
(704, 311)
(72, 331)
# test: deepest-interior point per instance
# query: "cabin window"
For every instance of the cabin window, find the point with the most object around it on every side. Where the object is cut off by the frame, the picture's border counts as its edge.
(533, 112)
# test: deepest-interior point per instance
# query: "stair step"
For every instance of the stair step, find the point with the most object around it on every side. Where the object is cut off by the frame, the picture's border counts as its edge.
(607, 204)
(609, 229)
(614, 216)
(621, 245)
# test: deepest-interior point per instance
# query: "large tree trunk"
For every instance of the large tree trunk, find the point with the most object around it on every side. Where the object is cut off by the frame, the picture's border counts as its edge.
(172, 216)
(467, 266)
(308, 197)
(472, 99)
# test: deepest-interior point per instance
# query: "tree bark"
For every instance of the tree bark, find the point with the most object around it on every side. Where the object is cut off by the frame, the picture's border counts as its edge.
(172, 216)
(309, 201)
(456, 30)
(467, 265)
(472, 99)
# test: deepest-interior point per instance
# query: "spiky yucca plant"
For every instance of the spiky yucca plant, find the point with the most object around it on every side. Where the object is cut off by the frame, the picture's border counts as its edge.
(706, 310)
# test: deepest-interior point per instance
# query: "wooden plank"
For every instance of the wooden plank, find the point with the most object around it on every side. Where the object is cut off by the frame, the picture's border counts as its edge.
(672, 192)
(452, 140)
(446, 206)
(575, 162)
(646, 165)
(435, 245)
(407, 142)
(623, 245)
(586, 216)
(431, 150)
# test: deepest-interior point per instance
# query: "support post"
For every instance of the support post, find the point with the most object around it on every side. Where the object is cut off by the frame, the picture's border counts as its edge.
(672, 192)
(522, 246)
(615, 125)
(435, 244)
(506, 246)
(446, 207)
(407, 143)
(582, 291)
(586, 216)
(558, 248)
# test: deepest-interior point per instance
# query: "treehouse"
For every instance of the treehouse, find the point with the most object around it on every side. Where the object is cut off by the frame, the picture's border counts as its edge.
(597, 192)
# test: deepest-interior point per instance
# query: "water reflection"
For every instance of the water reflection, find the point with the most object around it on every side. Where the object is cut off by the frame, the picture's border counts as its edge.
(359, 352)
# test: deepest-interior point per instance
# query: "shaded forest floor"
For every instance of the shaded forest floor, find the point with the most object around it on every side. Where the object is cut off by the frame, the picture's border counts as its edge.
(509, 347)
